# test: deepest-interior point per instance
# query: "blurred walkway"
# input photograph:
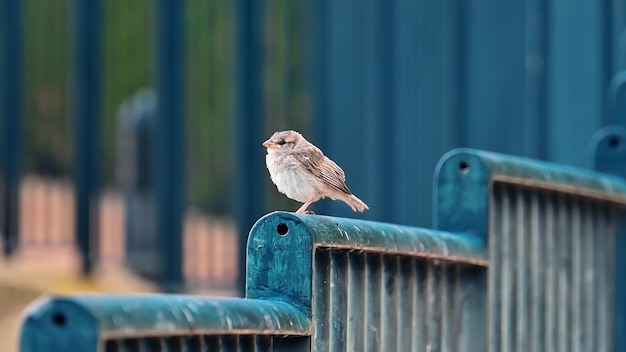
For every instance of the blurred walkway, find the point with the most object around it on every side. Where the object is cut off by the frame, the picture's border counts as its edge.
(48, 263)
(47, 236)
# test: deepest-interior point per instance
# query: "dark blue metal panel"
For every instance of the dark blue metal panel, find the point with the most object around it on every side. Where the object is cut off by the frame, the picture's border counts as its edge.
(169, 153)
(10, 118)
(320, 57)
(410, 108)
(495, 65)
(617, 40)
(576, 78)
(248, 127)
(87, 128)
(425, 70)
(344, 87)
(535, 126)
(387, 100)
(378, 113)
(616, 99)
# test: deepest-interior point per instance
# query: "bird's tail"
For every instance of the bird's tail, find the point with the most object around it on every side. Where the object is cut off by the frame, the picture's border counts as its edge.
(355, 203)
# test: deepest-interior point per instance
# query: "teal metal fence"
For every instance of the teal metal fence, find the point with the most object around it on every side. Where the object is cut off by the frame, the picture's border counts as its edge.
(382, 87)
(526, 258)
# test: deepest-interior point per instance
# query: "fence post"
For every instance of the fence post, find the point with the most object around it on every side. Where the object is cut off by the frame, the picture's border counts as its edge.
(87, 129)
(609, 156)
(248, 122)
(11, 113)
(169, 146)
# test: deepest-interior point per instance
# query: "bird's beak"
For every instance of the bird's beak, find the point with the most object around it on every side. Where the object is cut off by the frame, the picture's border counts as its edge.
(270, 145)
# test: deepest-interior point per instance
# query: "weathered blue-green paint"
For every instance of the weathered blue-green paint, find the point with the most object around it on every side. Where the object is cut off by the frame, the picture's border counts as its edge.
(463, 179)
(361, 281)
(280, 265)
(609, 152)
(82, 323)
(272, 257)
(281, 291)
(608, 149)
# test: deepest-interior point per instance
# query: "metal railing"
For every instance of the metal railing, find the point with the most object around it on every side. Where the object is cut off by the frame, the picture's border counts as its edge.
(525, 258)
(552, 246)
(300, 270)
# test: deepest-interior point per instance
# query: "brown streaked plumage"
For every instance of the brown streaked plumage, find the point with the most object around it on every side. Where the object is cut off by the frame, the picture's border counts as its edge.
(303, 173)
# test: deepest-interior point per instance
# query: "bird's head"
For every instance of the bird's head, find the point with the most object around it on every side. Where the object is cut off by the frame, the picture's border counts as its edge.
(284, 140)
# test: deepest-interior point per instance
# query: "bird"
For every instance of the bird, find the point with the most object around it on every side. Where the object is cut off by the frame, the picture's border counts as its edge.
(302, 172)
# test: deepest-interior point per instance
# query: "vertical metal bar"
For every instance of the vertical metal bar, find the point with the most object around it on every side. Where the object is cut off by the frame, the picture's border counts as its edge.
(576, 288)
(356, 302)
(419, 307)
(496, 219)
(262, 343)
(10, 115)
(447, 307)
(321, 298)
(248, 124)
(550, 293)
(389, 302)
(564, 269)
(609, 145)
(521, 265)
(169, 146)
(611, 321)
(373, 299)
(590, 276)
(336, 319)
(404, 302)
(87, 98)
(507, 311)
(601, 227)
(433, 329)
(537, 269)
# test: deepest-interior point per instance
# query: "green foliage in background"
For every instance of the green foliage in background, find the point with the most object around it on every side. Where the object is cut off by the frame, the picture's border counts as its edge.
(128, 64)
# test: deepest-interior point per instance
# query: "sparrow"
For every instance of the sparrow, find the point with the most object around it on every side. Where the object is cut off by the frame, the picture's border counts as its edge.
(303, 173)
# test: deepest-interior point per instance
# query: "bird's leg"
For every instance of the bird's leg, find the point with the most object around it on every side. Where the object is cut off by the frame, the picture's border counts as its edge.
(302, 209)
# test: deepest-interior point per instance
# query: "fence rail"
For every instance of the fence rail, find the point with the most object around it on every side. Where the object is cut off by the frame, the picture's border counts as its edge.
(531, 265)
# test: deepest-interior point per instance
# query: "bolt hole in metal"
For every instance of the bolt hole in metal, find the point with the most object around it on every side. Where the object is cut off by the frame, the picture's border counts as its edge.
(464, 166)
(614, 142)
(282, 229)
(58, 319)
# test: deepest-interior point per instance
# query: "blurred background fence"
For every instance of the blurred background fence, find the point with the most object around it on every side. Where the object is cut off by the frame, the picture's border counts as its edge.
(131, 130)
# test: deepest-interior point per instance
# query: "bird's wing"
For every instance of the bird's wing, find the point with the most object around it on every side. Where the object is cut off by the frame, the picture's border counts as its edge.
(322, 167)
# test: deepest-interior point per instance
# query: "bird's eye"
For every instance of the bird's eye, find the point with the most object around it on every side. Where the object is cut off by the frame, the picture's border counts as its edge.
(282, 142)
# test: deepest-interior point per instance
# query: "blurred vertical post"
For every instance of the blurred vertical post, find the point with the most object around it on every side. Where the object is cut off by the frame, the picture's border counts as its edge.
(87, 100)
(11, 105)
(168, 142)
(248, 125)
